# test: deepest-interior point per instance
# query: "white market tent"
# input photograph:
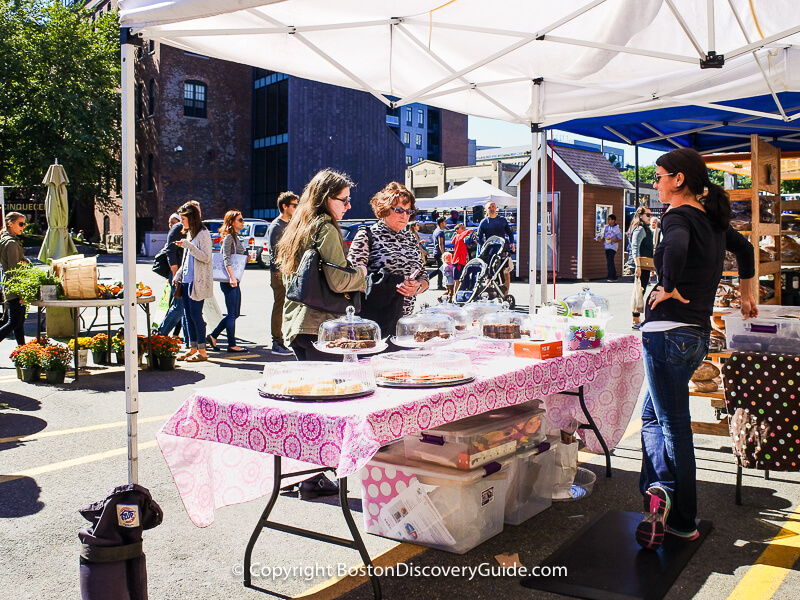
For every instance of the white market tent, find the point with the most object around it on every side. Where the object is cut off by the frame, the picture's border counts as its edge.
(534, 62)
(474, 192)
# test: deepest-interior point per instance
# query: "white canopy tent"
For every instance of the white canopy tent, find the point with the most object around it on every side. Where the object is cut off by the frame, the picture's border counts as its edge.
(474, 192)
(534, 62)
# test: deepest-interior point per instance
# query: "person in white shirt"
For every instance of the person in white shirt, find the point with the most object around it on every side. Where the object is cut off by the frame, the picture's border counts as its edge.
(611, 238)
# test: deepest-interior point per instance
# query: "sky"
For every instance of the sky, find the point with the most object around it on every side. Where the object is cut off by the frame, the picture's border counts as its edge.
(490, 132)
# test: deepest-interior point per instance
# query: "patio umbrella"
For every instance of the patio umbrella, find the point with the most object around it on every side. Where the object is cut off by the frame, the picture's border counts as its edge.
(57, 242)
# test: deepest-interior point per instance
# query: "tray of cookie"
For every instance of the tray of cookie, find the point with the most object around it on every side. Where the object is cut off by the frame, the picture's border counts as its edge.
(316, 381)
(421, 369)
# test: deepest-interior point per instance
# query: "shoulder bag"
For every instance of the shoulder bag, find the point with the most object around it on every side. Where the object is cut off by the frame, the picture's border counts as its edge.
(161, 264)
(238, 263)
(309, 285)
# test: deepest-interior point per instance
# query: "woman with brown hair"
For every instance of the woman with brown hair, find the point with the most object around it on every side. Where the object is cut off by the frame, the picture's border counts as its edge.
(12, 255)
(231, 244)
(324, 201)
(195, 278)
(641, 237)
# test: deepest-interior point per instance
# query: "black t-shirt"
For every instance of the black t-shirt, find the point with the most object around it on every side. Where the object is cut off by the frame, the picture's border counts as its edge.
(689, 258)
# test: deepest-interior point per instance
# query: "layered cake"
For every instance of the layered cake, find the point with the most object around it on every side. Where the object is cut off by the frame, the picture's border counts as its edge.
(504, 331)
(423, 335)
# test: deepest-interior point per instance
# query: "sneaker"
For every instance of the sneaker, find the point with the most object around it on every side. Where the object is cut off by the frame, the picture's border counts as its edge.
(689, 536)
(280, 349)
(650, 532)
(637, 326)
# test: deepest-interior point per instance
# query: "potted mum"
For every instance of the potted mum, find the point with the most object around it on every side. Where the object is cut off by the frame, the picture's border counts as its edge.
(55, 361)
(100, 349)
(118, 345)
(82, 347)
(165, 349)
(27, 358)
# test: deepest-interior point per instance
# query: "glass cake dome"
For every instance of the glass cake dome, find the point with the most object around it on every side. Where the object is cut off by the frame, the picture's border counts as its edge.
(349, 332)
(425, 328)
(505, 324)
(575, 303)
(316, 381)
(481, 307)
(425, 368)
(460, 315)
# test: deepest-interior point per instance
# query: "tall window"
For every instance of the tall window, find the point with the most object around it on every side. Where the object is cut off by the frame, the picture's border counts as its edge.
(408, 159)
(138, 173)
(419, 140)
(151, 97)
(139, 100)
(194, 99)
(406, 138)
(421, 118)
(151, 175)
(408, 116)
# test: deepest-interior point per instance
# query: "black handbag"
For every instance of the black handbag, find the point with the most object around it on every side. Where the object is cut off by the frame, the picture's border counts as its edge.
(309, 285)
(161, 264)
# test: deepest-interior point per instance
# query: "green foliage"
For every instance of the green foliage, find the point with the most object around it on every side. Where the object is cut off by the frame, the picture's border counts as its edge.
(791, 186)
(25, 281)
(32, 228)
(55, 357)
(646, 174)
(60, 97)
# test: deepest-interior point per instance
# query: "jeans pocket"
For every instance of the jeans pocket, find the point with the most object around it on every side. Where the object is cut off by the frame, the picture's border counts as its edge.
(684, 348)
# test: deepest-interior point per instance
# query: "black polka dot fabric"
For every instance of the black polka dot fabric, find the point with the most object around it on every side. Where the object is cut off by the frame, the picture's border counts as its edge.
(762, 395)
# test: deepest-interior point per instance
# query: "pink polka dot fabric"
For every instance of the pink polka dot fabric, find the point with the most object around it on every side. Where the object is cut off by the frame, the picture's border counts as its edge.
(762, 395)
(220, 442)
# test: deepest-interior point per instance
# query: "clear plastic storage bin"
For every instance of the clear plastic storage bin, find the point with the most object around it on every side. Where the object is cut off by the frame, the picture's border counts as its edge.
(584, 334)
(776, 329)
(531, 476)
(430, 505)
(474, 441)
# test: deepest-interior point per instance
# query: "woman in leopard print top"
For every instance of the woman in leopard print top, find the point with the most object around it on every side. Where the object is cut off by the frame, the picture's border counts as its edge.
(392, 246)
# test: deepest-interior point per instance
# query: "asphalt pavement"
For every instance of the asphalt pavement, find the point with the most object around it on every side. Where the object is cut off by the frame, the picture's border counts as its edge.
(64, 446)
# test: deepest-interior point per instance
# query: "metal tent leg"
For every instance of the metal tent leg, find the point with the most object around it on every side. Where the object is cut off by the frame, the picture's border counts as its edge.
(264, 523)
(739, 485)
(591, 425)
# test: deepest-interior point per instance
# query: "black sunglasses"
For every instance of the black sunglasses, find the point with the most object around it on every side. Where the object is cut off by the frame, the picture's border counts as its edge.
(344, 201)
(407, 211)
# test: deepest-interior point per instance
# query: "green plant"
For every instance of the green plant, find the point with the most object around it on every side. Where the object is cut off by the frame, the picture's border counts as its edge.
(32, 229)
(100, 343)
(55, 357)
(118, 344)
(25, 281)
(27, 356)
(165, 346)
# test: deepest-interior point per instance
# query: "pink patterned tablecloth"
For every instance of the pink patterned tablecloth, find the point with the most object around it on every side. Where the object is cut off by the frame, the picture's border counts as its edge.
(219, 444)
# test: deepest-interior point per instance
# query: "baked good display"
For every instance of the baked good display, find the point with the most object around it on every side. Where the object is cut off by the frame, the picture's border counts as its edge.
(481, 307)
(425, 328)
(505, 324)
(349, 335)
(460, 315)
(316, 381)
(575, 303)
(415, 368)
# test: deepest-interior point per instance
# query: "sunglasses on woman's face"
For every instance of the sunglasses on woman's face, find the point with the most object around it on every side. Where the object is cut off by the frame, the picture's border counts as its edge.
(240, 220)
(404, 211)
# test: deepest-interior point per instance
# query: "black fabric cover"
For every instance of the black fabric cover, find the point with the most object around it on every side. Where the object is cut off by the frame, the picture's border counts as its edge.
(112, 564)
(762, 395)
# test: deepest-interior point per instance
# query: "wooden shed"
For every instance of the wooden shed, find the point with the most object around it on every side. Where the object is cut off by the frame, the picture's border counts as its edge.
(586, 186)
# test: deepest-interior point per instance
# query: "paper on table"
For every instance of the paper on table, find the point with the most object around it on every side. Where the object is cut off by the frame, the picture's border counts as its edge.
(411, 516)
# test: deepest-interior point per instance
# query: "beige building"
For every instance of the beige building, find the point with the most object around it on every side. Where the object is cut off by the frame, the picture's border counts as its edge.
(428, 179)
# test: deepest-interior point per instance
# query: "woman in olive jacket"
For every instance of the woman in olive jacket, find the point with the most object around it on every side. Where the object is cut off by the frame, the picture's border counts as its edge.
(324, 201)
(12, 255)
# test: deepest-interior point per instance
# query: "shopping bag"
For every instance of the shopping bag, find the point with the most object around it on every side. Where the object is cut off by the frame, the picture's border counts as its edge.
(637, 297)
(211, 312)
(163, 303)
(238, 263)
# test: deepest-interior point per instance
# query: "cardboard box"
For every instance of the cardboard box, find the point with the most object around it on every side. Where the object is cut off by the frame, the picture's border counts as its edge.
(539, 350)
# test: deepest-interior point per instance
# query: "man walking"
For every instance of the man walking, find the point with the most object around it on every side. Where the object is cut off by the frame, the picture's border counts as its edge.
(492, 225)
(172, 319)
(287, 204)
(438, 248)
(611, 238)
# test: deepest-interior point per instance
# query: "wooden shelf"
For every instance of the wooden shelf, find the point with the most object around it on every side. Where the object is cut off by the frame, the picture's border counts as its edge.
(774, 301)
(720, 428)
(719, 355)
(768, 229)
(769, 268)
(789, 232)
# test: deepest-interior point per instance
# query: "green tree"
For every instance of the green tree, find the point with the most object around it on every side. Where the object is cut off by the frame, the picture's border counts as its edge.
(60, 97)
(646, 174)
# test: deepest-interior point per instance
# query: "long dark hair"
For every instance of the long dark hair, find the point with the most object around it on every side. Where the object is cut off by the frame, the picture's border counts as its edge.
(312, 207)
(192, 214)
(695, 178)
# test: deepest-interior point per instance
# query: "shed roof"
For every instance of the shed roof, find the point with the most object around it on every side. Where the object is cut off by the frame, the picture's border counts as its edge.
(592, 167)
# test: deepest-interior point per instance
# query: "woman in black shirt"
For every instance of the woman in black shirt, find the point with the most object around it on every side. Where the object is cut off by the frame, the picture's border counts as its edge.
(688, 261)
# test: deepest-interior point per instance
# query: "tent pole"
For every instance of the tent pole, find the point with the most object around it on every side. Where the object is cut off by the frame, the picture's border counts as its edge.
(636, 158)
(543, 219)
(534, 218)
(129, 254)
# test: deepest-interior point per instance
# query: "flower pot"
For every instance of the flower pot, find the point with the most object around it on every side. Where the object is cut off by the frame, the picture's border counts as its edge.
(48, 292)
(120, 357)
(83, 358)
(19, 373)
(99, 358)
(165, 363)
(55, 376)
(30, 375)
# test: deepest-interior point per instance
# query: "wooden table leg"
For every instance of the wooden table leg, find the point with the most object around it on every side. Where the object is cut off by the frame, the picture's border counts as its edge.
(75, 321)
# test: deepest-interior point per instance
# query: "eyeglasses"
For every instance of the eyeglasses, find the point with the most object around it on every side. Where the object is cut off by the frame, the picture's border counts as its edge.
(648, 214)
(344, 201)
(240, 220)
(404, 211)
(294, 204)
(658, 176)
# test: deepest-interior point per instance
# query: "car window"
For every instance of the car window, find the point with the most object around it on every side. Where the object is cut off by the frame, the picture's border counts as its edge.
(245, 232)
(213, 226)
(427, 227)
(261, 230)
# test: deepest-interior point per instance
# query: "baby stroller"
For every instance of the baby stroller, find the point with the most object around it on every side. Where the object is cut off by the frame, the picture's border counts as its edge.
(485, 274)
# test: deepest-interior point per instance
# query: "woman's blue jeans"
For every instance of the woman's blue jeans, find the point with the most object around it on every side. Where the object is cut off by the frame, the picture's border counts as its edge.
(670, 359)
(195, 325)
(233, 304)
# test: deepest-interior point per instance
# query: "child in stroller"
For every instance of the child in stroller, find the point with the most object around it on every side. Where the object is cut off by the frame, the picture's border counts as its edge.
(486, 274)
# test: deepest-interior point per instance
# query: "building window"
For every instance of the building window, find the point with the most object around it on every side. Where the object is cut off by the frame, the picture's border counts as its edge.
(138, 173)
(420, 159)
(151, 45)
(421, 118)
(406, 138)
(139, 101)
(408, 116)
(408, 159)
(194, 99)
(419, 140)
(151, 176)
(151, 97)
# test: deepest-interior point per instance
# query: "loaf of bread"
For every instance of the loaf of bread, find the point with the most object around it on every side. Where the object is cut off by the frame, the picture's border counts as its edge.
(705, 372)
(711, 385)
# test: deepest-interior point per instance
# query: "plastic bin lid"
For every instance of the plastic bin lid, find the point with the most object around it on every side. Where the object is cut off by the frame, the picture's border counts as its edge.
(426, 469)
(489, 421)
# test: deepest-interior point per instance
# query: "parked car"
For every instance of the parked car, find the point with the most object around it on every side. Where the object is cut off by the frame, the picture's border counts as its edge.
(449, 234)
(253, 236)
(349, 228)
